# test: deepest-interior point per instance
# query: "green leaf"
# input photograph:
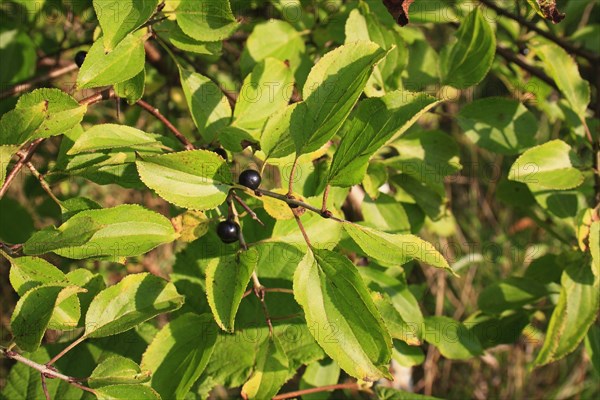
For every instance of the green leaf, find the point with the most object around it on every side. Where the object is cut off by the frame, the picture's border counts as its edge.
(137, 298)
(34, 311)
(549, 166)
(330, 92)
(575, 312)
(407, 356)
(500, 125)
(452, 338)
(6, 153)
(132, 89)
(179, 353)
(375, 122)
(341, 315)
(276, 39)
(592, 346)
(17, 222)
(102, 68)
(226, 281)
(126, 392)
(426, 156)
(395, 291)
(208, 105)
(206, 20)
(270, 371)
(395, 248)
(196, 179)
(119, 18)
(17, 49)
(387, 393)
(18, 126)
(75, 205)
(109, 137)
(510, 294)
(29, 272)
(267, 89)
(117, 370)
(123, 231)
(468, 61)
(563, 69)
(182, 41)
(364, 25)
(74, 232)
(92, 283)
(61, 112)
(276, 140)
(319, 373)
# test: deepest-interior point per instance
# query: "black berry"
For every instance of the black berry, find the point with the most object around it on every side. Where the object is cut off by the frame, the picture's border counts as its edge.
(80, 58)
(228, 231)
(250, 178)
(221, 152)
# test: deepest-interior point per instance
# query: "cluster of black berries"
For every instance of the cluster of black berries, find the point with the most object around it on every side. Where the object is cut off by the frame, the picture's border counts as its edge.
(229, 231)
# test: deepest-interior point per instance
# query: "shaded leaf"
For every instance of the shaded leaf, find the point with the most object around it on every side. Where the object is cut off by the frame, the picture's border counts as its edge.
(206, 20)
(109, 137)
(119, 18)
(270, 371)
(117, 370)
(179, 353)
(226, 281)
(137, 298)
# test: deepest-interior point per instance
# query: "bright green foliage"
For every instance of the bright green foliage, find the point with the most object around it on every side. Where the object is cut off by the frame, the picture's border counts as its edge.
(468, 61)
(102, 68)
(464, 140)
(193, 179)
(117, 370)
(351, 332)
(206, 20)
(117, 19)
(549, 166)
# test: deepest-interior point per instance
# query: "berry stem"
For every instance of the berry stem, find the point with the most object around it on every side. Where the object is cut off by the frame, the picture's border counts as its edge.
(247, 208)
(301, 227)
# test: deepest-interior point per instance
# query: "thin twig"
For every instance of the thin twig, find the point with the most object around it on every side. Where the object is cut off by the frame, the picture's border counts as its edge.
(301, 227)
(43, 182)
(45, 370)
(593, 58)
(247, 208)
(66, 350)
(45, 387)
(27, 85)
(339, 386)
(155, 112)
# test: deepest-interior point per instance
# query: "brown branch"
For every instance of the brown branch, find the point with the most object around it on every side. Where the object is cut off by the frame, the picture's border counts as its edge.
(298, 203)
(513, 58)
(25, 156)
(26, 85)
(593, 58)
(155, 112)
(298, 393)
(45, 370)
(42, 182)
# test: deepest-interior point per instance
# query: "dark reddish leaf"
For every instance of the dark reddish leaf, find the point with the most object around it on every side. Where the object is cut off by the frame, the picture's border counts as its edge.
(398, 9)
(548, 8)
